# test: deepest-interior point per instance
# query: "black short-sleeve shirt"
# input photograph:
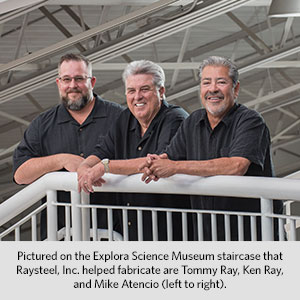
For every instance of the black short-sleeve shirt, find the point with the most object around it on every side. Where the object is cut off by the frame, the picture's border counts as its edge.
(55, 131)
(243, 133)
(124, 141)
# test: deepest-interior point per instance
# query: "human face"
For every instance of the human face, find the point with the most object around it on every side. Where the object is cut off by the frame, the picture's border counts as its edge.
(217, 91)
(75, 95)
(143, 97)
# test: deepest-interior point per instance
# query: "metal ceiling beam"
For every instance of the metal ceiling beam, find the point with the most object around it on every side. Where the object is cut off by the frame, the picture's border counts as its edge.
(251, 34)
(60, 27)
(213, 9)
(58, 47)
(74, 16)
(274, 95)
(140, 2)
(285, 144)
(281, 104)
(287, 29)
(288, 128)
(207, 48)
(34, 102)
(291, 153)
(288, 169)
(254, 63)
(269, 57)
(166, 66)
(169, 65)
(13, 124)
(20, 11)
(180, 56)
(203, 13)
(204, 49)
(7, 152)
(19, 42)
(14, 118)
(281, 64)
(29, 23)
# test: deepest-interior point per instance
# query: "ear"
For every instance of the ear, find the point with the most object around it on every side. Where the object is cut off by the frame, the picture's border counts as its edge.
(57, 82)
(237, 90)
(93, 81)
(161, 91)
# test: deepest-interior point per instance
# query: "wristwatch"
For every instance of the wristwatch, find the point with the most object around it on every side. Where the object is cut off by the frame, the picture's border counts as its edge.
(105, 163)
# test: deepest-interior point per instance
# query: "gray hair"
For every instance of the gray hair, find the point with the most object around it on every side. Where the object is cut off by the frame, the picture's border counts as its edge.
(76, 57)
(146, 67)
(221, 61)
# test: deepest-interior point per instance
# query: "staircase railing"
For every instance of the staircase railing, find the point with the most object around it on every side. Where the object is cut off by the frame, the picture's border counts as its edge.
(267, 189)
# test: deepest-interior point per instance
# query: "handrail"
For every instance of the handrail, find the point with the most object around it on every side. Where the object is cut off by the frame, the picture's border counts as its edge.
(233, 186)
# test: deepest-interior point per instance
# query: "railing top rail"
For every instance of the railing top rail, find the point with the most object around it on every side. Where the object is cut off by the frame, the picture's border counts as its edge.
(232, 186)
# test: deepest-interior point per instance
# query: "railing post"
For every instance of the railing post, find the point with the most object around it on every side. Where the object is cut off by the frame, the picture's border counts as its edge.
(51, 216)
(76, 216)
(266, 206)
(85, 212)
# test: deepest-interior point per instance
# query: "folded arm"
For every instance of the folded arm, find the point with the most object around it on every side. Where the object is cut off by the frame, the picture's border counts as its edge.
(164, 167)
(36, 167)
(91, 170)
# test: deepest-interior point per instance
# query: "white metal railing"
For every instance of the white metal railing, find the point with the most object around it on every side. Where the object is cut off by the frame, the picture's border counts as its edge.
(78, 212)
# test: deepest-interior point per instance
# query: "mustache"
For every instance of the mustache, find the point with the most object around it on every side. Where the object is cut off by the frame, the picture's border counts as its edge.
(216, 94)
(73, 90)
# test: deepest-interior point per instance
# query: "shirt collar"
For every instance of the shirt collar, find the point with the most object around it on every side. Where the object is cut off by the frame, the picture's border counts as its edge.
(98, 111)
(226, 119)
(230, 114)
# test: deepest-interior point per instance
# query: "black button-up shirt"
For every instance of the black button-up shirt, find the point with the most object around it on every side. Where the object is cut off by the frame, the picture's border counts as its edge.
(55, 131)
(241, 133)
(124, 141)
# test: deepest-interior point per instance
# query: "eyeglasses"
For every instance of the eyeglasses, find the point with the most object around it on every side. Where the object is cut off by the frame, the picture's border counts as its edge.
(78, 79)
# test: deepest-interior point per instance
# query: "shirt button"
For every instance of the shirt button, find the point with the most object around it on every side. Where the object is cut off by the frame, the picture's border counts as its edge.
(81, 154)
(139, 148)
(80, 129)
(128, 204)
(129, 223)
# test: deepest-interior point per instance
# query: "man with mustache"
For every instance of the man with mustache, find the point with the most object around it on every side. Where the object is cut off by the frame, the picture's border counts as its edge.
(224, 138)
(61, 137)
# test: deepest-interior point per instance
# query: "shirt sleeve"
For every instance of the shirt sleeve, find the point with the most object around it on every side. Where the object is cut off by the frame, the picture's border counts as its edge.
(169, 128)
(105, 147)
(176, 150)
(252, 139)
(29, 147)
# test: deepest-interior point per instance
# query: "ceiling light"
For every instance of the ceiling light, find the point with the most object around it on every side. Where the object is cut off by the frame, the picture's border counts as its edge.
(284, 8)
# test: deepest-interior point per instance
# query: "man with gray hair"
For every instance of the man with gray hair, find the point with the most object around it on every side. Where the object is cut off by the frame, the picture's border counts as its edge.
(147, 126)
(223, 138)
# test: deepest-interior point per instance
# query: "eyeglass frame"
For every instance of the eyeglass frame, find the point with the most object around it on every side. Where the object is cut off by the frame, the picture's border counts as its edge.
(78, 79)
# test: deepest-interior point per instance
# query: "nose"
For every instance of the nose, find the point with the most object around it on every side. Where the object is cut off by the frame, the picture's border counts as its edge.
(138, 95)
(213, 87)
(72, 83)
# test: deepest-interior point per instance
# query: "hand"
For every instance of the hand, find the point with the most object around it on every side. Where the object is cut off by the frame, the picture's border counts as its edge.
(150, 167)
(88, 176)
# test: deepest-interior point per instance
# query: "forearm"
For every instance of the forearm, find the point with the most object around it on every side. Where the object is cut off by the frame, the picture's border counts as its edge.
(218, 166)
(36, 167)
(90, 161)
(90, 165)
(126, 166)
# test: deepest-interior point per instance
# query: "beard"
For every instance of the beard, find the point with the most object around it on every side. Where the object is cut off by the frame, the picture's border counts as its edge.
(215, 109)
(75, 105)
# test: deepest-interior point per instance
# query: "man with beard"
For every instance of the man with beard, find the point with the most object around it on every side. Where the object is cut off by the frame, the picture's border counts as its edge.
(60, 138)
(224, 138)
